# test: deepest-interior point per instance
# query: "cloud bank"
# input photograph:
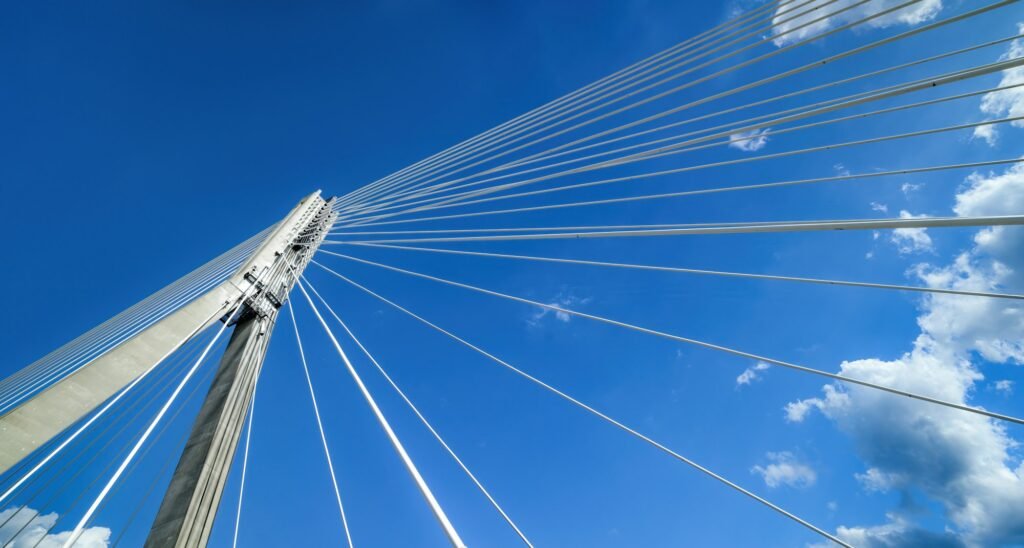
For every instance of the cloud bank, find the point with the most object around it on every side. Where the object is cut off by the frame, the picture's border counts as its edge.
(967, 463)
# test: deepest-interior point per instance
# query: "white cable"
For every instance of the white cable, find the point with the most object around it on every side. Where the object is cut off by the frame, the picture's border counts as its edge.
(245, 460)
(442, 159)
(763, 81)
(426, 423)
(439, 513)
(731, 228)
(117, 323)
(765, 40)
(320, 426)
(717, 136)
(696, 271)
(663, 195)
(166, 302)
(458, 200)
(606, 418)
(543, 156)
(56, 451)
(730, 69)
(73, 537)
(687, 340)
(63, 370)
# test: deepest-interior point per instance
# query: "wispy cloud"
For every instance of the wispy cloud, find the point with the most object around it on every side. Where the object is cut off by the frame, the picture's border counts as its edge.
(561, 300)
(749, 141)
(909, 188)
(751, 373)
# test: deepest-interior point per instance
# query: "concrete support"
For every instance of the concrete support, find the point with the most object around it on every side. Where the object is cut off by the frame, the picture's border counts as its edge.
(64, 403)
(187, 513)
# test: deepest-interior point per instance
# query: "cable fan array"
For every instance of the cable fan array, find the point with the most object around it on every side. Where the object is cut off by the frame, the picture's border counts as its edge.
(688, 123)
(673, 118)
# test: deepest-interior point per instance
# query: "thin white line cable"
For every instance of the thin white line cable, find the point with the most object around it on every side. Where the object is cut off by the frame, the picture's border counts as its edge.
(680, 270)
(544, 156)
(717, 136)
(683, 86)
(138, 444)
(245, 461)
(773, 156)
(128, 323)
(390, 185)
(113, 401)
(687, 340)
(320, 426)
(426, 423)
(102, 333)
(460, 199)
(52, 375)
(73, 537)
(759, 82)
(439, 512)
(664, 195)
(604, 417)
(380, 184)
(729, 228)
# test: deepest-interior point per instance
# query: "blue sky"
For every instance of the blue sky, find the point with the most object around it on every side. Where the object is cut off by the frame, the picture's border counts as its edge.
(142, 140)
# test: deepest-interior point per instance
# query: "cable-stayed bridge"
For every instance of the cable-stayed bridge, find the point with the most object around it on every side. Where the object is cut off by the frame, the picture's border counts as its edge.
(75, 424)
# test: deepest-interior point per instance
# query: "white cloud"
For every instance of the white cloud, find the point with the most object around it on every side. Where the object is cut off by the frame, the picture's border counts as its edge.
(1007, 102)
(967, 463)
(35, 534)
(841, 170)
(797, 411)
(991, 193)
(749, 141)
(875, 206)
(751, 374)
(908, 188)
(961, 460)
(785, 469)
(913, 14)
(911, 240)
(1004, 386)
(989, 327)
(987, 133)
(562, 300)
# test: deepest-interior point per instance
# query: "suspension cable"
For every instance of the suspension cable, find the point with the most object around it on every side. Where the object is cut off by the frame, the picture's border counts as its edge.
(439, 513)
(426, 423)
(601, 415)
(320, 427)
(680, 270)
(695, 342)
(746, 228)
